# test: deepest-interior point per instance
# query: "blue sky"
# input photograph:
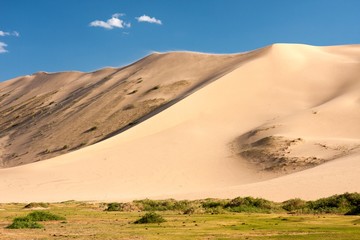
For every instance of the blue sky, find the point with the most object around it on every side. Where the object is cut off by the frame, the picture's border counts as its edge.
(85, 35)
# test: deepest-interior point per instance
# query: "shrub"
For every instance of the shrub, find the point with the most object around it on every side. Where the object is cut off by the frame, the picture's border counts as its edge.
(215, 210)
(19, 223)
(213, 206)
(114, 207)
(30, 221)
(250, 204)
(294, 204)
(43, 216)
(150, 217)
(162, 205)
(189, 211)
(181, 205)
(335, 204)
(355, 211)
(210, 203)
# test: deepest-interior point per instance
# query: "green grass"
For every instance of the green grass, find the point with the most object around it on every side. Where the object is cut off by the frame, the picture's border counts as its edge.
(89, 221)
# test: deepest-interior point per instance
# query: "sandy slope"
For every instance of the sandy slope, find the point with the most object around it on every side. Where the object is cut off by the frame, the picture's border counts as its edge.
(297, 105)
(48, 114)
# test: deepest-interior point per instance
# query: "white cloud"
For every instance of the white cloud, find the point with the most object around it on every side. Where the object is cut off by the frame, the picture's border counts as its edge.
(14, 33)
(113, 22)
(145, 18)
(2, 33)
(116, 15)
(2, 47)
(103, 24)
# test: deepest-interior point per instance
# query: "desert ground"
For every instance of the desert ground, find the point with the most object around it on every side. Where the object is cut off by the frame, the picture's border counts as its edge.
(279, 122)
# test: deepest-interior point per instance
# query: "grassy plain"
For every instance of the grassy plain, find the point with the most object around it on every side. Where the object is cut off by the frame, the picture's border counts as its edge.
(90, 221)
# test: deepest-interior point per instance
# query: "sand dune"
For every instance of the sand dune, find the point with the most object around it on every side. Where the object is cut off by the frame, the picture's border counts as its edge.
(279, 122)
(48, 114)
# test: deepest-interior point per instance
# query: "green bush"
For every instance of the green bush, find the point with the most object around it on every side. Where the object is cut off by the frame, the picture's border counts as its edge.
(214, 206)
(30, 221)
(162, 205)
(215, 210)
(189, 211)
(19, 223)
(213, 203)
(113, 207)
(355, 211)
(150, 217)
(43, 216)
(250, 204)
(335, 204)
(295, 204)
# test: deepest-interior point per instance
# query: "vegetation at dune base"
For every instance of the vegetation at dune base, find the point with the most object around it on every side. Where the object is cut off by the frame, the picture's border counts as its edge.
(162, 205)
(347, 203)
(331, 218)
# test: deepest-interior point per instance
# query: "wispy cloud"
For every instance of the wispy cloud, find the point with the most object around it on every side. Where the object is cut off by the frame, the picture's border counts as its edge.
(113, 22)
(14, 33)
(2, 47)
(4, 34)
(145, 18)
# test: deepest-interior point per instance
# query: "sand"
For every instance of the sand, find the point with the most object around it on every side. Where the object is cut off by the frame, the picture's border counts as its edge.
(194, 149)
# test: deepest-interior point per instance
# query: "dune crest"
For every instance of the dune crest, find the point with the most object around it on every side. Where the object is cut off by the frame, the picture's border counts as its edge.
(279, 122)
